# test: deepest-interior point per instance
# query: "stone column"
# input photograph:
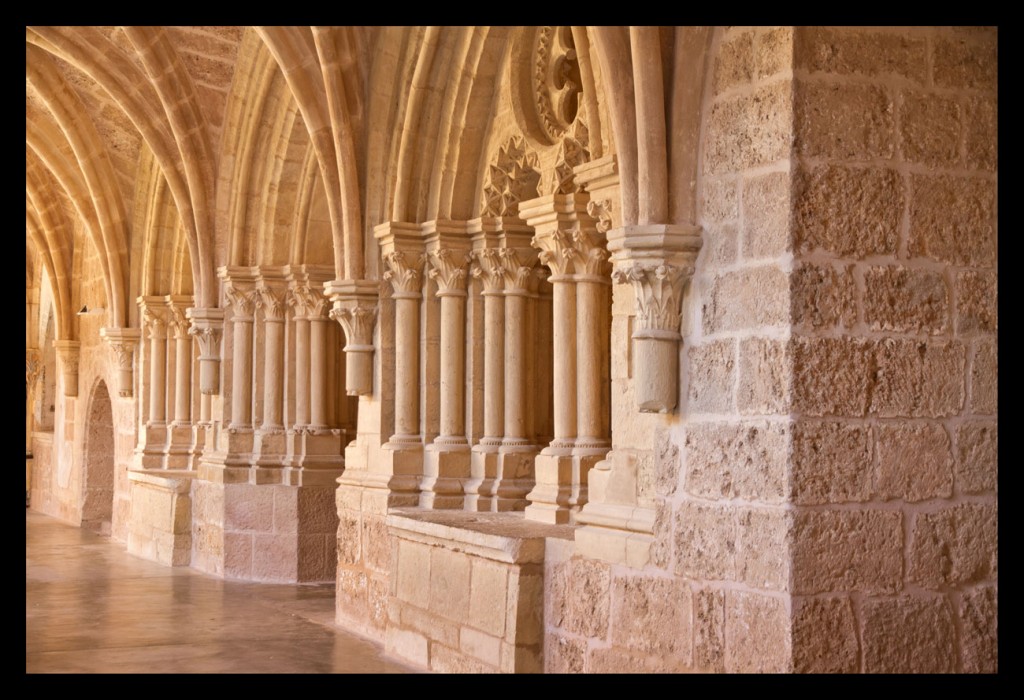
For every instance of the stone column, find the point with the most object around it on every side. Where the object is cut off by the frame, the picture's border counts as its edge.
(301, 299)
(318, 365)
(207, 326)
(180, 436)
(271, 302)
(446, 462)
(569, 243)
(239, 288)
(123, 342)
(489, 270)
(156, 327)
(404, 274)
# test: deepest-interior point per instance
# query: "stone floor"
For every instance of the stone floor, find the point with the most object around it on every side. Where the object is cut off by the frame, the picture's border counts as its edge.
(90, 607)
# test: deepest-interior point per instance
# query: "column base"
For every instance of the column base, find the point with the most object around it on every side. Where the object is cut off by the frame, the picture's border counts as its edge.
(483, 469)
(403, 470)
(153, 446)
(446, 468)
(269, 454)
(180, 446)
(561, 488)
(202, 434)
(616, 533)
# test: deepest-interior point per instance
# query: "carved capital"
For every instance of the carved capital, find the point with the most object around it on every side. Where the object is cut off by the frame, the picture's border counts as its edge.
(242, 299)
(558, 251)
(208, 338)
(601, 211)
(448, 268)
(33, 366)
(358, 323)
(123, 342)
(489, 269)
(177, 323)
(519, 268)
(154, 320)
(207, 326)
(404, 272)
(67, 354)
(271, 301)
(307, 302)
(659, 295)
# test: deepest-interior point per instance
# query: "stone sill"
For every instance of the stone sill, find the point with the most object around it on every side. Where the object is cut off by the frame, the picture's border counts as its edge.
(176, 480)
(505, 537)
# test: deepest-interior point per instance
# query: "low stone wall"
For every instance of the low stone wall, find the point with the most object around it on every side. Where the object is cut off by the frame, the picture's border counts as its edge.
(467, 590)
(160, 527)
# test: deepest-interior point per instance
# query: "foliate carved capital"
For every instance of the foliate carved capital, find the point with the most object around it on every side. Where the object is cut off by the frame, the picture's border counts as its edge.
(358, 323)
(519, 269)
(271, 301)
(659, 293)
(489, 269)
(207, 326)
(154, 321)
(593, 256)
(448, 269)
(242, 299)
(177, 323)
(33, 366)
(601, 211)
(404, 272)
(308, 302)
(557, 251)
(124, 351)
(67, 353)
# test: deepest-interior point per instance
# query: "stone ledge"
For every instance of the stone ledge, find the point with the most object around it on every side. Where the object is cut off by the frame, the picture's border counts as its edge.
(506, 537)
(176, 480)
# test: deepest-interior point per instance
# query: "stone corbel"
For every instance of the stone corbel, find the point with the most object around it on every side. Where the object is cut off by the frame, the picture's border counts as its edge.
(123, 342)
(658, 260)
(67, 352)
(355, 308)
(207, 325)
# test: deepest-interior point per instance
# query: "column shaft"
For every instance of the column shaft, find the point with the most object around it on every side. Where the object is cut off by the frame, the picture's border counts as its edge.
(241, 373)
(564, 348)
(157, 377)
(406, 366)
(273, 373)
(302, 356)
(515, 367)
(494, 359)
(183, 383)
(318, 372)
(589, 343)
(453, 413)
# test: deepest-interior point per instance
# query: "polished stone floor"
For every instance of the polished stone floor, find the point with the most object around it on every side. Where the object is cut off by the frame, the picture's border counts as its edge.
(90, 607)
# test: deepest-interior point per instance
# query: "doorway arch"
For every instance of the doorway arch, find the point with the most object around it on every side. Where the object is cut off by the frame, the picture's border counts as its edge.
(98, 472)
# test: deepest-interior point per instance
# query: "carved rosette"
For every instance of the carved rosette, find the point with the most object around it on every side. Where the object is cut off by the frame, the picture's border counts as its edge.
(659, 296)
(33, 367)
(546, 82)
(404, 272)
(207, 327)
(271, 301)
(67, 354)
(448, 269)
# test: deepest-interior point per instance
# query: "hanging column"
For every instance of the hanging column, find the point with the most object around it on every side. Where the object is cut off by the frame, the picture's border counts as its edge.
(240, 290)
(206, 327)
(446, 461)
(154, 434)
(180, 438)
(123, 342)
(269, 439)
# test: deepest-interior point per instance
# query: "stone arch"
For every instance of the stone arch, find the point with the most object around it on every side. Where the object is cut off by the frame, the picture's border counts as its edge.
(98, 462)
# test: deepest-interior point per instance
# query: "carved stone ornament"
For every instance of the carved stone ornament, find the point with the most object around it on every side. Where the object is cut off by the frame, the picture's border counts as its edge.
(243, 301)
(659, 296)
(573, 150)
(404, 273)
(357, 322)
(271, 301)
(33, 367)
(207, 326)
(448, 269)
(308, 302)
(512, 177)
(601, 211)
(488, 268)
(546, 82)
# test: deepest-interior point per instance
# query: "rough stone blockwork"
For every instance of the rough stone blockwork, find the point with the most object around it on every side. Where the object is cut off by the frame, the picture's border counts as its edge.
(893, 466)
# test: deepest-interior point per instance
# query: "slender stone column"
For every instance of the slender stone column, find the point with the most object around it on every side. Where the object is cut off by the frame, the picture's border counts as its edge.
(207, 326)
(592, 284)
(156, 328)
(404, 274)
(558, 256)
(446, 463)
(182, 365)
(355, 308)
(301, 299)
(318, 364)
(123, 342)
(489, 270)
(241, 295)
(271, 302)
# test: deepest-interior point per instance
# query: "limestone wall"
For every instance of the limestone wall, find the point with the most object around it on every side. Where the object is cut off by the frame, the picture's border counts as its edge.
(893, 302)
